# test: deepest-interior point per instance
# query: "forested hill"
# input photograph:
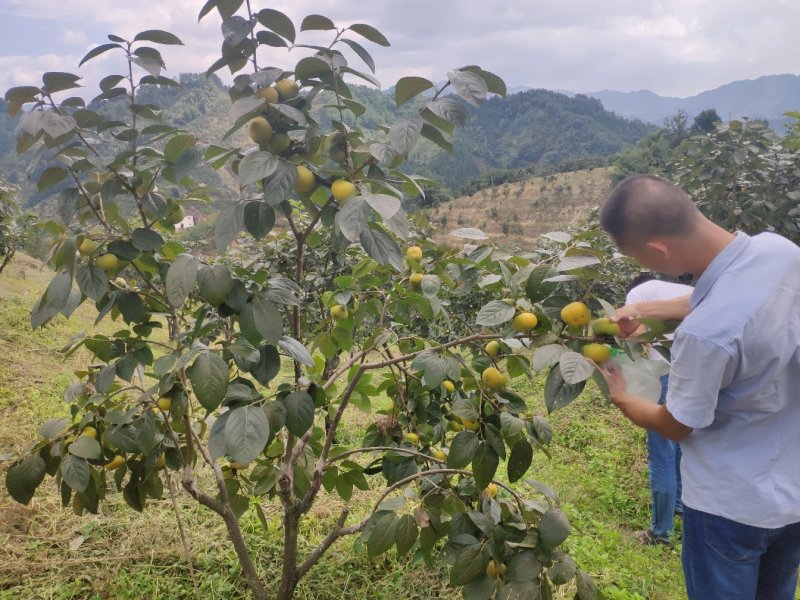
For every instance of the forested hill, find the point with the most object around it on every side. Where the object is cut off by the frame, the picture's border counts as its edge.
(521, 130)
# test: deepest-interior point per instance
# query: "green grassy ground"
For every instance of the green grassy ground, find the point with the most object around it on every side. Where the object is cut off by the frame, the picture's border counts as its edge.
(598, 466)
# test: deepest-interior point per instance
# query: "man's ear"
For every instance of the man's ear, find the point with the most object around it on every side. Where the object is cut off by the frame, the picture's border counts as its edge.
(658, 246)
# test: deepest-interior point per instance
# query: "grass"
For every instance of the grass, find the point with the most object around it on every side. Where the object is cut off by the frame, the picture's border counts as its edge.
(598, 467)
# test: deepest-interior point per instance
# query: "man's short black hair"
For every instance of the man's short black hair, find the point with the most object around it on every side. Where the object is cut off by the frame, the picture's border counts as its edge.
(642, 207)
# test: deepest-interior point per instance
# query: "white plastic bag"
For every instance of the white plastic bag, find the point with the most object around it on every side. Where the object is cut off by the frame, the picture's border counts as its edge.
(642, 376)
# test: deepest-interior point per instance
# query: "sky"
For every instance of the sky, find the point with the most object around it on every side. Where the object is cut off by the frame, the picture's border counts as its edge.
(672, 47)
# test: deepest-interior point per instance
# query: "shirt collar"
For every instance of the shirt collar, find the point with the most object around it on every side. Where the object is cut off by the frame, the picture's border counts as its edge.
(721, 262)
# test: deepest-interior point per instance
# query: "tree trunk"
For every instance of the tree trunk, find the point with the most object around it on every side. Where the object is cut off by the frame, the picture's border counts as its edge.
(289, 577)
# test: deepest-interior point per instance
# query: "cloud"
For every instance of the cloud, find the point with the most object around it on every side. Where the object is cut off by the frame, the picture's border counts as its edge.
(73, 37)
(676, 48)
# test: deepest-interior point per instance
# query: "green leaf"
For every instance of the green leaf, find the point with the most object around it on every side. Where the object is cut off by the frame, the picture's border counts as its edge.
(146, 240)
(554, 528)
(86, 447)
(547, 356)
(312, 67)
(316, 22)
(124, 439)
(370, 33)
(209, 377)
(470, 87)
(520, 460)
(246, 433)
(409, 87)
(228, 225)
(296, 350)
(571, 263)
(277, 22)
(353, 217)
(470, 564)
(215, 283)
(429, 132)
(75, 472)
(361, 52)
(448, 109)
(481, 588)
(58, 82)
(462, 449)
(256, 166)
(267, 320)
(494, 83)
(92, 281)
(380, 532)
(562, 570)
(557, 392)
(523, 566)
(484, 465)
(587, 590)
(536, 288)
(495, 313)
(382, 247)
(259, 218)
(235, 29)
(21, 94)
(23, 478)
(54, 300)
(299, 412)
(51, 177)
(575, 368)
(433, 366)
(406, 534)
(158, 36)
(181, 277)
(281, 184)
(404, 133)
(52, 428)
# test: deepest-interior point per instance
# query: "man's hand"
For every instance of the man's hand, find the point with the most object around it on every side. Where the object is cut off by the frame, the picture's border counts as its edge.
(627, 317)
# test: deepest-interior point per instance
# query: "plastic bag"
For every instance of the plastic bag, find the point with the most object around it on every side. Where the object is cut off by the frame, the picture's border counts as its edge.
(642, 376)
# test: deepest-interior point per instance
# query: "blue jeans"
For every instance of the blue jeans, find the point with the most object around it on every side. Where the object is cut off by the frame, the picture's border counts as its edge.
(664, 464)
(723, 559)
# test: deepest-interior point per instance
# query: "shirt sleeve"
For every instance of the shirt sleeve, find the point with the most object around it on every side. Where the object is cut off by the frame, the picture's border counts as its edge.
(699, 370)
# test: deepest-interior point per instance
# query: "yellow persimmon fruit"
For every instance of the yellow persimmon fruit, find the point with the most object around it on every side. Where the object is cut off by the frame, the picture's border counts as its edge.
(115, 463)
(87, 246)
(259, 130)
(576, 314)
(599, 353)
(493, 378)
(342, 190)
(525, 321)
(305, 179)
(414, 253)
(270, 94)
(287, 89)
(107, 262)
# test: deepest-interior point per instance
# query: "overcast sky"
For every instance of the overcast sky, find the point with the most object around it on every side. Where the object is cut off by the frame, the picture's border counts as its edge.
(672, 47)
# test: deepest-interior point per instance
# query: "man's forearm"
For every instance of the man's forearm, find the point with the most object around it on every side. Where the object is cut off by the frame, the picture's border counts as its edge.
(651, 416)
(674, 309)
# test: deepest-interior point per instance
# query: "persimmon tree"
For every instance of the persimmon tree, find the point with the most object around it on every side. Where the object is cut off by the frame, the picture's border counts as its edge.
(235, 371)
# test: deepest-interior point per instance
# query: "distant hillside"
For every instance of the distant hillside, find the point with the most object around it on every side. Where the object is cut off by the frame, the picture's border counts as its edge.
(535, 127)
(513, 215)
(767, 97)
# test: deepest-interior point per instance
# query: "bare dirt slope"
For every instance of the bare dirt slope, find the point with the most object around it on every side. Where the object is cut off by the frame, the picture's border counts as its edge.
(513, 215)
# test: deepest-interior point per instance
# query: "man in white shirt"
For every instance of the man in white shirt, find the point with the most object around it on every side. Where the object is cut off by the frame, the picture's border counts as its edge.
(663, 455)
(733, 399)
